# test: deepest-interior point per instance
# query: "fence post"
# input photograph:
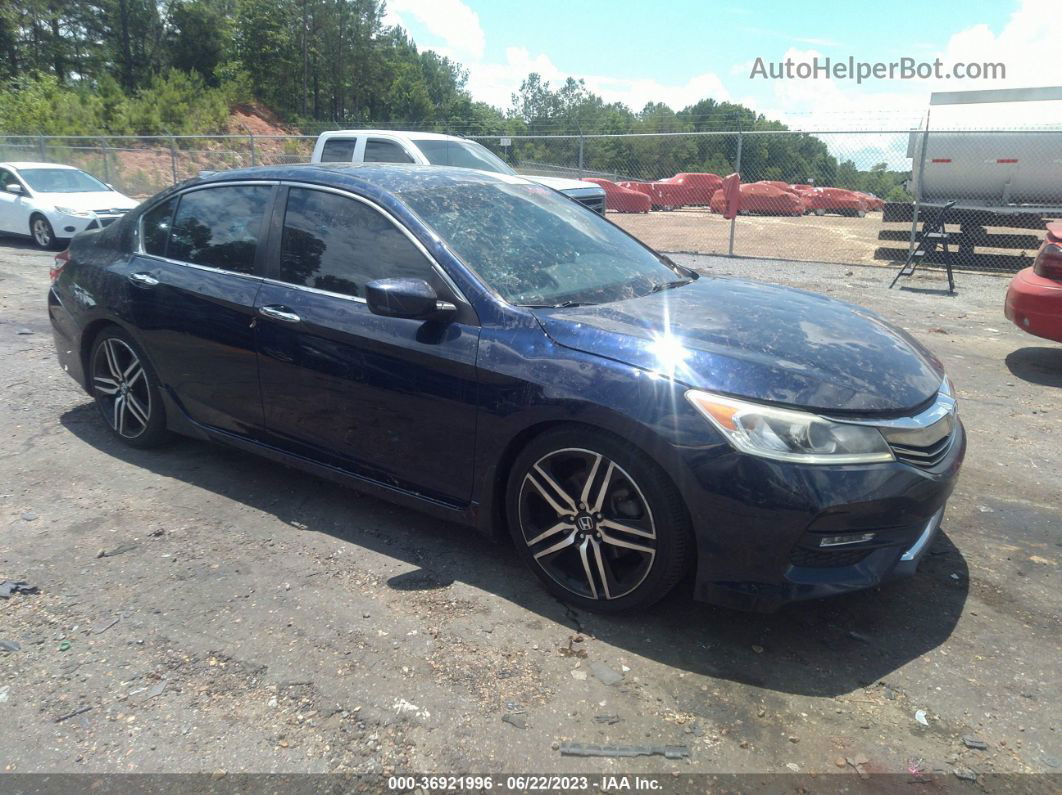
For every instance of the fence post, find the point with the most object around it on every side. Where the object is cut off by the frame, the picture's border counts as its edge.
(737, 170)
(581, 155)
(40, 148)
(173, 158)
(254, 154)
(106, 164)
(916, 209)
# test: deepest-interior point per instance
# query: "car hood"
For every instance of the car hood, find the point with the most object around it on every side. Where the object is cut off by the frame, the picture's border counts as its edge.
(89, 200)
(564, 184)
(759, 341)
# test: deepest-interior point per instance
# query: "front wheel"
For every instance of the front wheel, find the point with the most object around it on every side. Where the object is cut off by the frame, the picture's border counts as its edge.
(42, 233)
(126, 390)
(597, 521)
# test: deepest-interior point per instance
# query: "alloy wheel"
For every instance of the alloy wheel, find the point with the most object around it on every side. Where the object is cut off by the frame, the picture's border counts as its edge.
(121, 388)
(587, 524)
(42, 232)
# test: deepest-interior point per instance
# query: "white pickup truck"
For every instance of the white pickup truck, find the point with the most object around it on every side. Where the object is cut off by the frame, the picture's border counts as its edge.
(390, 146)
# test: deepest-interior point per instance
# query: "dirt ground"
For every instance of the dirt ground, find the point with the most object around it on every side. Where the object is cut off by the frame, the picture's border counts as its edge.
(204, 610)
(826, 238)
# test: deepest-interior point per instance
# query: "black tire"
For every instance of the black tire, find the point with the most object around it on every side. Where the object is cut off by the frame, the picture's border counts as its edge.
(589, 569)
(42, 233)
(126, 391)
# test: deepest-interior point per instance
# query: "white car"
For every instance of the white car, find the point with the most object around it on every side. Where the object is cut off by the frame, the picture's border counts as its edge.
(51, 202)
(390, 146)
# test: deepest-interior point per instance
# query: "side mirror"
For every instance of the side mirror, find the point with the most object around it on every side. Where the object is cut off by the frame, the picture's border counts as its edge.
(14, 188)
(409, 298)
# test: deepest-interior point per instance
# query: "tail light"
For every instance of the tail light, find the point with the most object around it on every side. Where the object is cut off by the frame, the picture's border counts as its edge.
(61, 259)
(1049, 262)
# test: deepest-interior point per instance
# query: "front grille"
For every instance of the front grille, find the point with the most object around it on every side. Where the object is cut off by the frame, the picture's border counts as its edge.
(107, 221)
(595, 203)
(111, 211)
(925, 457)
(822, 559)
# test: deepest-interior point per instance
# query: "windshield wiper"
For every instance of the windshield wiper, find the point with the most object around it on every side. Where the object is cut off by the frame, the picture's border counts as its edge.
(561, 305)
(668, 285)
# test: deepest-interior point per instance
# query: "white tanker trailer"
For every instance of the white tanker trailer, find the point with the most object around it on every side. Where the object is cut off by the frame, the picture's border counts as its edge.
(1004, 171)
(993, 179)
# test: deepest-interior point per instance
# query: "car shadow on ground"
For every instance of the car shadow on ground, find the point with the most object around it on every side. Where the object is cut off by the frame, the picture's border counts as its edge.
(822, 648)
(1042, 366)
(12, 241)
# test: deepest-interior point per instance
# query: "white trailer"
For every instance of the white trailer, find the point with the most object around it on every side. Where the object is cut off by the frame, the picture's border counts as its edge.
(1002, 179)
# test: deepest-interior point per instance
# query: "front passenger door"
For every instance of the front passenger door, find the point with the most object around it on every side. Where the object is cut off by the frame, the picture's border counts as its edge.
(13, 217)
(392, 399)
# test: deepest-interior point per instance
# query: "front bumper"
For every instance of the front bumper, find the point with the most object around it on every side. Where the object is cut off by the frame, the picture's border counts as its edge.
(760, 525)
(66, 226)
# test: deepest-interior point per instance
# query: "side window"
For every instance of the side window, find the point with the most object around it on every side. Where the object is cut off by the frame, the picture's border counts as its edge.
(220, 226)
(380, 151)
(338, 150)
(7, 178)
(338, 244)
(155, 227)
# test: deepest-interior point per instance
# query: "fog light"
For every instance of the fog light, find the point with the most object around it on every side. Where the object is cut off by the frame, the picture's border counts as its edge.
(841, 541)
(69, 228)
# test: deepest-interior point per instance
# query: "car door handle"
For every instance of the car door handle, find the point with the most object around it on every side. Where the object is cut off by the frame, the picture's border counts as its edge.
(143, 279)
(281, 313)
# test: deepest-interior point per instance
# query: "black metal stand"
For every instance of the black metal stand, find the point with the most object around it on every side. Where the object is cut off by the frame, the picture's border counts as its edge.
(933, 236)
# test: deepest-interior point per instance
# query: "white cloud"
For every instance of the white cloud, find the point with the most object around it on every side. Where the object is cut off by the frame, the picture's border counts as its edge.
(1025, 44)
(452, 21)
(496, 82)
(453, 30)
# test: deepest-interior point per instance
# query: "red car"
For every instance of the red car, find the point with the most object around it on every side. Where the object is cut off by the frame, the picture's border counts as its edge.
(663, 195)
(836, 200)
(622, 200)
(758, 198)
(697, 188)
(1034, 298)
(874, 204)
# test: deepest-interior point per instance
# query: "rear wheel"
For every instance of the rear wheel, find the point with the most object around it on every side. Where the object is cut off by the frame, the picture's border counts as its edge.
(598, 522)
(42, 233)
(126, 390)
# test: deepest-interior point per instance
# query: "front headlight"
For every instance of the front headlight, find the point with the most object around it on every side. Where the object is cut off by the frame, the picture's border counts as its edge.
(787, 435)
(73, 212)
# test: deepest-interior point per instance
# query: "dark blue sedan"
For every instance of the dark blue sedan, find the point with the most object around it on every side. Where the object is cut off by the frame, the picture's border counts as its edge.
(483, 348)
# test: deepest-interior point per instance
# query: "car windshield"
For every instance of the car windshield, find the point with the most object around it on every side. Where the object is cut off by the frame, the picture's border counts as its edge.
(464, 154)
(60, 180)
(536, 247)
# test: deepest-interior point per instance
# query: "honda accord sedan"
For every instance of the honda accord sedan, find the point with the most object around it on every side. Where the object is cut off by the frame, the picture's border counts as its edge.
(485, 349)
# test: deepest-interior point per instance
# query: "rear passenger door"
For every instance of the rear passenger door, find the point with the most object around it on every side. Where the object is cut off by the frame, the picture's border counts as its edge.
(388, 398)
(191, 288)
(383, 150)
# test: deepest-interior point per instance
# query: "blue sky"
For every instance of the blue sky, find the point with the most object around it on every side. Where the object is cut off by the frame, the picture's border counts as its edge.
(679, 51)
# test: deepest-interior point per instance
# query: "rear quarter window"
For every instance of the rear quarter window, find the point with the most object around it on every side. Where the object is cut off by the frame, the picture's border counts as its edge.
(338, 150)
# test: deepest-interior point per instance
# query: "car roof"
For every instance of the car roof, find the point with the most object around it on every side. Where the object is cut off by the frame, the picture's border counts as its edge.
(29, 164)
(411, 135)
(389, 177)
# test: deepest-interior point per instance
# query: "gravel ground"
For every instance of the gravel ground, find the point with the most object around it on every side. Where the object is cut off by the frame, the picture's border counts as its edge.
(829, 238)
(204, 610)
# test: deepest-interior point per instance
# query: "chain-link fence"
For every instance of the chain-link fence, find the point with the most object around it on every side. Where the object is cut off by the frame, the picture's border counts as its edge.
(846, 197)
